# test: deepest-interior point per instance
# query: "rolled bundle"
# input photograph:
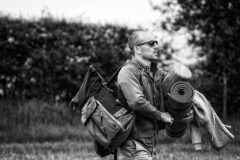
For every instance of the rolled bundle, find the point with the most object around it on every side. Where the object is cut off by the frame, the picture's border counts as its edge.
(181, 95)
(177, 72)
(179, 103)
(178, 95)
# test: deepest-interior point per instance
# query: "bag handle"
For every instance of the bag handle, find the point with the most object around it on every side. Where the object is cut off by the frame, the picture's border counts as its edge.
(93, 69)
(116, 73)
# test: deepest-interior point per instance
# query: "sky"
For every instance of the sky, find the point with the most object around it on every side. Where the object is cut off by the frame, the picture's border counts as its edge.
(126, 12)
(131, 13)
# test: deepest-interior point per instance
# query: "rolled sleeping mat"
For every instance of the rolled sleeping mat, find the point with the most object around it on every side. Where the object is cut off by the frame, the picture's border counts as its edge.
(178, 72)
(178, 94)
(179, 103)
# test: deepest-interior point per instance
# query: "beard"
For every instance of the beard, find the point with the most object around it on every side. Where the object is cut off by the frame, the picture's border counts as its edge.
(152, 57)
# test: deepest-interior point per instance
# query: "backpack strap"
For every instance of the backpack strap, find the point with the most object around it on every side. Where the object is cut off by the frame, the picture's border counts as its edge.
(116, 72)
(93, 69)
(113, 77)
(115, 154)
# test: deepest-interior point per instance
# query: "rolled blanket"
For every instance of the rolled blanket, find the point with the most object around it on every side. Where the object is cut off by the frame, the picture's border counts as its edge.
(178, 94)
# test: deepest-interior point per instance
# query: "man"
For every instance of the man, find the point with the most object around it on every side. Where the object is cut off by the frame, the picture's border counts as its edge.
(137, 89)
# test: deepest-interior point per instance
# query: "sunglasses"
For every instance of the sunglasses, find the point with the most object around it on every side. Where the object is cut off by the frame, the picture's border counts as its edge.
(150, 43)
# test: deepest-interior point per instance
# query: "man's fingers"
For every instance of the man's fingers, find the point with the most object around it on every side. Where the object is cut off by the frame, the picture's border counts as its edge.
(170, 121)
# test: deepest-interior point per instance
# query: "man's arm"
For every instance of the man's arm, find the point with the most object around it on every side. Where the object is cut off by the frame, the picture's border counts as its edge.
(128, 81)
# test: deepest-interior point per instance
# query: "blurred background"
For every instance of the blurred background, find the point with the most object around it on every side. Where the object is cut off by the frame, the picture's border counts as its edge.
(46, 47)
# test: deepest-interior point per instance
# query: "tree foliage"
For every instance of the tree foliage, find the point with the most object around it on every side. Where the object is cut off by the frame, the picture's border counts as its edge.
(49, 58)
(214, 27)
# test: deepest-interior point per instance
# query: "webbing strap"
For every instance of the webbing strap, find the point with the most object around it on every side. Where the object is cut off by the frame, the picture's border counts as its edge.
(115, 154)
(116, 73)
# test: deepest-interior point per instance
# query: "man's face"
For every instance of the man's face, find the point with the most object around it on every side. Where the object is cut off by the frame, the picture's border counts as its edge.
(148, 49)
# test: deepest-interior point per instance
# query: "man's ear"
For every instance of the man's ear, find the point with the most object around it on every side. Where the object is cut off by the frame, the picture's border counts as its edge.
(137, 50)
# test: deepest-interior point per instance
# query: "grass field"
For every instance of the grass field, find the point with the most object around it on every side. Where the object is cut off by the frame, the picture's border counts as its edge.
(69, 150)
(39, 130)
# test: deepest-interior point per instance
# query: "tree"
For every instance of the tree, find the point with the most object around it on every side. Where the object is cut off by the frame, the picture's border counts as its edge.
(214, 27)
(48, 58)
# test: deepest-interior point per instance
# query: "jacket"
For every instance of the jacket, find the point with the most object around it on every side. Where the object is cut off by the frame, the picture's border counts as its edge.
(206, 117)
(138, 91)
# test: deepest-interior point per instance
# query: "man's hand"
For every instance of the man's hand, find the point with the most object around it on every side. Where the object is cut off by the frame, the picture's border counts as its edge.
(188, 118)
(165, 117)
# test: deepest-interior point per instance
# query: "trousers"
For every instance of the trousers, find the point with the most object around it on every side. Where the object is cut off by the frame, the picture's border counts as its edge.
(135, 150)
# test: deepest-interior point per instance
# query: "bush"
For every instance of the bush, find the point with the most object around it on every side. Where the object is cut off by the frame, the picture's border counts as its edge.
(48, 58)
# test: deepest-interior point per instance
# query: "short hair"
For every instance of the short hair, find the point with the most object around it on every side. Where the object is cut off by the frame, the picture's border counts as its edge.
(133, 38)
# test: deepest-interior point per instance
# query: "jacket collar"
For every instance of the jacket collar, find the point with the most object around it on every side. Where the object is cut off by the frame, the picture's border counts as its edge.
(139, 64)
(142, 66)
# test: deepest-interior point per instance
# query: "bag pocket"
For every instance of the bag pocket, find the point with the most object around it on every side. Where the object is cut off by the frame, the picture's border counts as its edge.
(100, 123)
(87, 109)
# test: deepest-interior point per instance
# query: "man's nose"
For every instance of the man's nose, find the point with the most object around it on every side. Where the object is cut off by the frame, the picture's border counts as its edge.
(155, 46)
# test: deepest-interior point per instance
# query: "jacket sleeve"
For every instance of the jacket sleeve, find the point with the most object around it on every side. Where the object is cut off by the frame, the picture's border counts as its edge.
(128, 82)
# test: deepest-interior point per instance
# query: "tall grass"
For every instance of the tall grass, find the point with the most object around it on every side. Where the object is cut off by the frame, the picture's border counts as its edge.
(36, 120)
(39, 121)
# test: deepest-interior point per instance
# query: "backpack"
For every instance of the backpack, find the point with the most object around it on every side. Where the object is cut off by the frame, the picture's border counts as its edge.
(107, 120)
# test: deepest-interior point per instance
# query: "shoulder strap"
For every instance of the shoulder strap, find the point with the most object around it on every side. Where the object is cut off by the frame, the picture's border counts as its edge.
(116, 72)
(93, 69)
(115, 154)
